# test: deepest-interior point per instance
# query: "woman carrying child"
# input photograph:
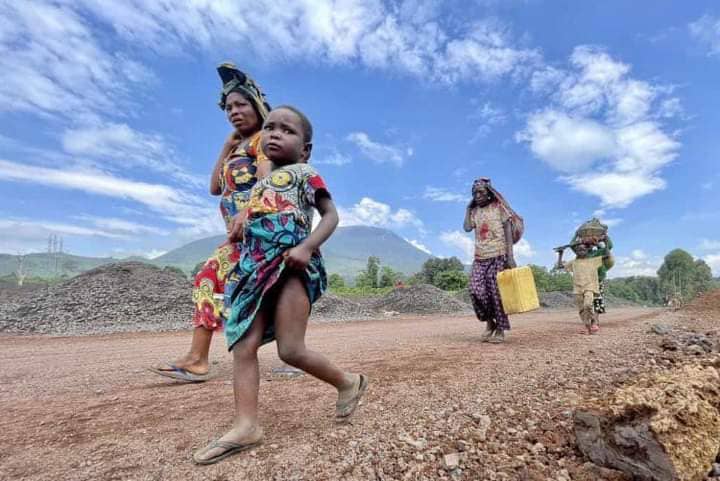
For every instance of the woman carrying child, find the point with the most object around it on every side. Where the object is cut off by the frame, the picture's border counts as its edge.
(240, 164)
(279, 276)
(497, 227)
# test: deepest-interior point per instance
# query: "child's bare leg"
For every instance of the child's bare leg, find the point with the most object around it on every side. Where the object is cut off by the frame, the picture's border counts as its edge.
(291, 317)
(246, 380)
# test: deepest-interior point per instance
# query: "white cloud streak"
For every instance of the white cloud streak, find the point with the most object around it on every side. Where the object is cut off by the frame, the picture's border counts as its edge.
(377, 152)
(439, 194)
(706, 31)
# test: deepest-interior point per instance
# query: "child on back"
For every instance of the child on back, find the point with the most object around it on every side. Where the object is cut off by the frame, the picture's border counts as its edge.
(589, 259)
(279, 276)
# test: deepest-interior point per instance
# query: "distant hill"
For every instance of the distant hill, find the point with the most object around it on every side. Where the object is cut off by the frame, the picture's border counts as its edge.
(345, 253)
(45, 265)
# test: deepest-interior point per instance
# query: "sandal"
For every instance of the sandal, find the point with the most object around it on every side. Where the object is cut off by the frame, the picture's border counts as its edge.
(180, 374)
(229, 447)
(344, 409)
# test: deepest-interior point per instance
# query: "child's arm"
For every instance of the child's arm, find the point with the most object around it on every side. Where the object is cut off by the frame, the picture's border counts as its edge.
(299, 256)
(510, 262)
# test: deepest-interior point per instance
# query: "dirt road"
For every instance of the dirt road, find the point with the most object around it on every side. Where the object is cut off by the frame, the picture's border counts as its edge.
(84, 408)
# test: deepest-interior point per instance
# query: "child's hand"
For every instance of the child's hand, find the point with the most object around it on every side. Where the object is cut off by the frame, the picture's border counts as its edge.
(298, 257)
(237, 226)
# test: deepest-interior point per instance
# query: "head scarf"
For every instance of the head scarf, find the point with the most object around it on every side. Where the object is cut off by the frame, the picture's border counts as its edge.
(235, 80)
(517, 224)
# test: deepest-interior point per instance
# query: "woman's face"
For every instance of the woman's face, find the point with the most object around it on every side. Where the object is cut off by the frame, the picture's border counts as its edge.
(482, 195)
(241, 114)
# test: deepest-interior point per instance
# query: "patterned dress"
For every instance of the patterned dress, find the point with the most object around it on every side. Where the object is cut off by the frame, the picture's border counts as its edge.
(238, 176)
(279, 218)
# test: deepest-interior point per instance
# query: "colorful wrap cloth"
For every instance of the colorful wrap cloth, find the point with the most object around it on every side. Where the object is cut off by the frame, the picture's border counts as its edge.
(260, 268)
(484, 291)
(237, 177)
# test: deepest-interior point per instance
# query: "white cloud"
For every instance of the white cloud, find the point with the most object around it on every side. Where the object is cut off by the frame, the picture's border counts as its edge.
(438, 194)
(635, 265)
(181, 207)
(710, 244)
(566, 143)
(373, 213)
(154, 253)
(122, 226)
(523, 250)
(378, 152)
(706, 31)
(420, 246)
(411, 37)
(336, 158)
(126, 147)
(53, 62)
(488, 116)
(713, 260)
(638, 254)
(602, 129)
(461, 243)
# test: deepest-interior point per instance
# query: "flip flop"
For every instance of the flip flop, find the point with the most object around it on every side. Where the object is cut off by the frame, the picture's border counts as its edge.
(229, 447)
(344, 409)
(179, 374)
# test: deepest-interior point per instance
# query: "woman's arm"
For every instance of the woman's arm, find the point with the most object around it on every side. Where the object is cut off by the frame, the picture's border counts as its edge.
(230, 143)
(510, 262)
(468, 222)
(299, 256)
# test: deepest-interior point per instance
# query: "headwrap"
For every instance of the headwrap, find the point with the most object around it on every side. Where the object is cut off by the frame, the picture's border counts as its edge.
(235, 80)
(517, 224)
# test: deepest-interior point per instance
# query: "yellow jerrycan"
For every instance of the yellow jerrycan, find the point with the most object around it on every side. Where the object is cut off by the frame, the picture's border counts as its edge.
(517, 290)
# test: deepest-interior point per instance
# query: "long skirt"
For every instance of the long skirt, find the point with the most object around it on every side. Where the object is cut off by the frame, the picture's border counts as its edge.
(261, 267)
(484, 291)
(209, 286)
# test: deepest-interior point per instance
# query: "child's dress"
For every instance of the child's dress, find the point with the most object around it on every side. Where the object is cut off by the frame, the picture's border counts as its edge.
(586, 285)
(279, 218)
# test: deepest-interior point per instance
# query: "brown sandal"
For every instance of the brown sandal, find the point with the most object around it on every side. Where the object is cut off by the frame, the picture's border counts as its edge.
(345, 409)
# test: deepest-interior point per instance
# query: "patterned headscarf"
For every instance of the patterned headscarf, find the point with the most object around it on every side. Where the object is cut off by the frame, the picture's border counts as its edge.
(517, 223)
(235, 80)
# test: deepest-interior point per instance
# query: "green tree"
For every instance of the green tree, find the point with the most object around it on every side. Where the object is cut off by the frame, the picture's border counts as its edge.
(336, 281)
(388, 277)
(682, 276)
(369, 276)
(451, 280)
(174, 269)
(433, 266)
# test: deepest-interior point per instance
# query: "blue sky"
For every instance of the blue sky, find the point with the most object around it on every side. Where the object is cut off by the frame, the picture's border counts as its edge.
(109, 124)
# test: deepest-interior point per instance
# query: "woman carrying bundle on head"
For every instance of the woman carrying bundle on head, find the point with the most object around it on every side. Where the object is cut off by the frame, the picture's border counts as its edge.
(497, 227)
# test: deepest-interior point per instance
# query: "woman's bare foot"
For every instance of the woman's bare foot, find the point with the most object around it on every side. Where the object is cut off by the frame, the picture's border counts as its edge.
(189, 362)
(234, 441)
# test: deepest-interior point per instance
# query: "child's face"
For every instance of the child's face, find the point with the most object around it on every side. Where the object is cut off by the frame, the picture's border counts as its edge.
(581, 250)
(283, 140)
